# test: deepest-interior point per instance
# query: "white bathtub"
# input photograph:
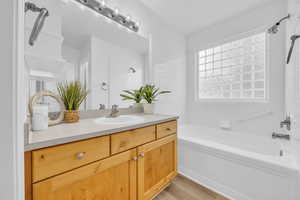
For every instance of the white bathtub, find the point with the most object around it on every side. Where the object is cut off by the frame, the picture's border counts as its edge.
(238, 165)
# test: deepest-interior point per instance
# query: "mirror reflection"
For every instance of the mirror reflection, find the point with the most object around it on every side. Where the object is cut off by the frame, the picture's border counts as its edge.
(73, 45)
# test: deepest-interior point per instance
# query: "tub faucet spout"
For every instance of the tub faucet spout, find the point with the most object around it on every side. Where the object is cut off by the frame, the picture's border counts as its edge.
(281, 136)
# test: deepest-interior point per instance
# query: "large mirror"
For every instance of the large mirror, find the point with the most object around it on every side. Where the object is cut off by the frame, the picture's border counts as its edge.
(75, 45)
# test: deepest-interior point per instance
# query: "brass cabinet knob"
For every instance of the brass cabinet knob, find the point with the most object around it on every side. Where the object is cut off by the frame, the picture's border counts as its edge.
(80, 155)
(135, 158)
(142, 155)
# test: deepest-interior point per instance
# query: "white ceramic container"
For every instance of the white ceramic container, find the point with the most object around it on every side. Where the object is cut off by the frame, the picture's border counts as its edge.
(39, 117)
(148, 108)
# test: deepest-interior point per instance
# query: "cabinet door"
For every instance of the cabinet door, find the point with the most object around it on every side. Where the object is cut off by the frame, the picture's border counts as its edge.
(113, 178)
(157, 166)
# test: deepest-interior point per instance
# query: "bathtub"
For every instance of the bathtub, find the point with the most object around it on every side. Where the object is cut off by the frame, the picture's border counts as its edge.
(240, 166)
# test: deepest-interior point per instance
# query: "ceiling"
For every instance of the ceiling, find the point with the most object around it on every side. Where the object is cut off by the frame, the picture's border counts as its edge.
(187, 16)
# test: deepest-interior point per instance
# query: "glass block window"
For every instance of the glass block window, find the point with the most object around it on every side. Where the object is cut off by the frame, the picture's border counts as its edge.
(234, 70)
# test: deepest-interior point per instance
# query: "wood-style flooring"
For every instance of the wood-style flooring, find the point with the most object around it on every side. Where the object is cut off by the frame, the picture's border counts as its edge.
(185, 189)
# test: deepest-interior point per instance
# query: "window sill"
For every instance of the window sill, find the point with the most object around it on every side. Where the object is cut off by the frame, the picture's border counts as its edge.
(232, 101)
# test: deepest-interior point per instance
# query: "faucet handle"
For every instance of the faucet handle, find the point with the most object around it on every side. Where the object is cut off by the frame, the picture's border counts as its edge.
(101, 106)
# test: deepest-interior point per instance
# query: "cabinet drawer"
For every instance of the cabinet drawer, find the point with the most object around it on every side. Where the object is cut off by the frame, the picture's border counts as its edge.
(130, 139)
(55, 160)
(167, 128)
(113, 178)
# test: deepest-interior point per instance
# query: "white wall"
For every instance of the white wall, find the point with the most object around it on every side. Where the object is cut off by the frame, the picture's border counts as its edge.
(119, 76)
(292, 70)
(210, 113)
(168, 56)
(12, 105)
(6, 120)
(71, 55)
(98, 73)
(292, 97)
(110, 63)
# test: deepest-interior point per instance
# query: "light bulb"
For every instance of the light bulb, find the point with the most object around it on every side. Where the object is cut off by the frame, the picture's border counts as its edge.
(116, 11)
(128, 18)
(83, 1)
(81, 7)
(102, 3)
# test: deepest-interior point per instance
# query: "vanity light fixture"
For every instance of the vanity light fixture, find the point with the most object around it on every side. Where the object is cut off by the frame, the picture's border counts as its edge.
(113, 14)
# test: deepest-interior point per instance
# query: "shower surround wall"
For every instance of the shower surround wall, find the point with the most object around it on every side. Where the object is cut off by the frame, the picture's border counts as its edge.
(211, 113)
(168, 63)
(110, 64)
(292, 78)
(292, 70)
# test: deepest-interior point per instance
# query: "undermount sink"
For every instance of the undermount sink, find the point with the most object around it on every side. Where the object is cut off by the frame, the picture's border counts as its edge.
(122, 119)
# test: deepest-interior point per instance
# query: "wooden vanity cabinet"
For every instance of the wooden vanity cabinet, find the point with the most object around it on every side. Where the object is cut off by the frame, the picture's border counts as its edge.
(157, 166)
(129, 139)
(139, 173)
(165, 129)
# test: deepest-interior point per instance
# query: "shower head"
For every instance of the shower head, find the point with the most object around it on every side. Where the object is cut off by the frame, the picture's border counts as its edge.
(39, 23)
(274, 28)
(132, 70)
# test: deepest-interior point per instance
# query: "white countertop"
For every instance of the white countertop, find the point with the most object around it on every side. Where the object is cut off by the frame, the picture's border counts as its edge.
(84, 129)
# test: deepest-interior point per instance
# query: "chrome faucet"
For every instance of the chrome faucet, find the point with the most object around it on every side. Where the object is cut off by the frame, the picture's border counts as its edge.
(287, 123)
(101, 107)
(280, 136)
(114, 111)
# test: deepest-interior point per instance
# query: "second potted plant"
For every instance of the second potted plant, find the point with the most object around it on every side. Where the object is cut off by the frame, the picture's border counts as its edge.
(150, 94)
(134, 95)
(72, 94)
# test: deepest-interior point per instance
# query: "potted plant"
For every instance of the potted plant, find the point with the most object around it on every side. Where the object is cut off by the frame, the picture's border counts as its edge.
(133, 95)
(72, 94)
(150, 94)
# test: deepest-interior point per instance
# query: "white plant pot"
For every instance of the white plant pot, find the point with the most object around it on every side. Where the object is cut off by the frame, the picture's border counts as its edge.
(148, 108)
(137, 105)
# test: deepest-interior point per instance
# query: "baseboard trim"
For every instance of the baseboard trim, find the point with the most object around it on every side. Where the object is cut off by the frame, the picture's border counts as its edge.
(213, 185)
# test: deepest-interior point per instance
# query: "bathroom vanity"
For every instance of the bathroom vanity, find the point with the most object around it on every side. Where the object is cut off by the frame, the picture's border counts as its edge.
(89, 161)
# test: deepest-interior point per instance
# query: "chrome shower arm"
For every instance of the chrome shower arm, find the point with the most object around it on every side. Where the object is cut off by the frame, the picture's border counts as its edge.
(39, 23)
(32, 7)
(274, 28)
(293, 39)
(281, 20)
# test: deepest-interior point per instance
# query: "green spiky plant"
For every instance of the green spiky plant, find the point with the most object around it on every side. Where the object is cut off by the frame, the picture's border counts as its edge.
(72, 93)
(133, 95)
(151, 92)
